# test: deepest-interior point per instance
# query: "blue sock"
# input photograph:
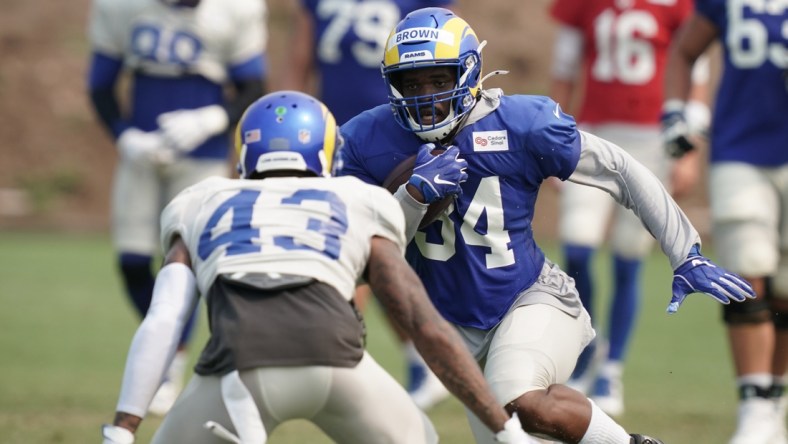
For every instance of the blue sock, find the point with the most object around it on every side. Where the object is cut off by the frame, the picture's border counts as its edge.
(138, 280)
(578, 267)
(625, 305)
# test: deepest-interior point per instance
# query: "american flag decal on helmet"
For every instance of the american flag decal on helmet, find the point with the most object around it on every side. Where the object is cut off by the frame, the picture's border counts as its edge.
(304, 136)
(252, 136)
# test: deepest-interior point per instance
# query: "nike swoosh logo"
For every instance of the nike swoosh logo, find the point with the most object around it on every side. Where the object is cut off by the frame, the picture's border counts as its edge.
(438, 180)
(557, 111)
(696, 262)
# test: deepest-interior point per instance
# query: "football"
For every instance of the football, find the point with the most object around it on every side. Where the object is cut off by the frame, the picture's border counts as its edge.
(401, 173)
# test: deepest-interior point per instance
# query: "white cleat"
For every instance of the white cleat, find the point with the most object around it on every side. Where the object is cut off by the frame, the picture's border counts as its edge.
(430, 392)
(164, 399)
(169, 390)
(757, 422)
(608, 391)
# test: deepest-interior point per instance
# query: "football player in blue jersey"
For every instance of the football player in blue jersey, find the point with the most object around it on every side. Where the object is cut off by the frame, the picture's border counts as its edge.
(748, 188)
(278, 277)
(519, 313)
(336, 48)
(181, 56)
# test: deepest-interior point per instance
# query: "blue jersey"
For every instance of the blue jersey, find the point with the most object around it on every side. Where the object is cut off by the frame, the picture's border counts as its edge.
(477, 258)
(751, 112)
(350, 37)
(181, 58)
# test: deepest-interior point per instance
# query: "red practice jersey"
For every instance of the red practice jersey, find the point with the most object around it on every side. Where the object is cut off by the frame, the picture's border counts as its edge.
(624, 54)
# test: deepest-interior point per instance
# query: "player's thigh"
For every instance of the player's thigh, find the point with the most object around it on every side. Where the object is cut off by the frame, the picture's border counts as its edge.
(780, 279)
(629, 238)
(136, 208)
(745, 208)
(188, 171)
(533, 347)
(199, 402)
(367, 404)
(584, 215)
(643, 142)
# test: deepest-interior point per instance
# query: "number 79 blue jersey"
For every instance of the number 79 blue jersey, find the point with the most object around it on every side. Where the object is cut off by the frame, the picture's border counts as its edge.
(477, 258)
(314, 227)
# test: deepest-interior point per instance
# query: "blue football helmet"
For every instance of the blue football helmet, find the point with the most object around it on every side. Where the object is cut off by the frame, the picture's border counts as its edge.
(286, 130)
(428, 38)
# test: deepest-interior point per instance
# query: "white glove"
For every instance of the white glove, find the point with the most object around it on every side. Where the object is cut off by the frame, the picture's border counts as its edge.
(698, 118)
(138, 146)
(513, 432)
(187, 129)
(116, 435)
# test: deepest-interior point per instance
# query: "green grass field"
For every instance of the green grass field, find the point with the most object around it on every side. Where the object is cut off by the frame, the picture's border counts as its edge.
(66, 328)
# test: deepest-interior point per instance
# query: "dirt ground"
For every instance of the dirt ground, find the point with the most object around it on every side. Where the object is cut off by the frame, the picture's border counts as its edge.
(56, 163)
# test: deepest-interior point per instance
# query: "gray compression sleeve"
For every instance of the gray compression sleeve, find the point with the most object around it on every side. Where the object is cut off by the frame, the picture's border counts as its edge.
(608, 167)
(413, 209)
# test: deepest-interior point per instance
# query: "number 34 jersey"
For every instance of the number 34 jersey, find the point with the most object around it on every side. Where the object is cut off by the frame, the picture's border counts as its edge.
(314, 227)
(479, 255)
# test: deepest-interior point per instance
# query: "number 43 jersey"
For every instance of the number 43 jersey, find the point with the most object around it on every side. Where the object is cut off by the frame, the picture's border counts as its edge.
(313, 227)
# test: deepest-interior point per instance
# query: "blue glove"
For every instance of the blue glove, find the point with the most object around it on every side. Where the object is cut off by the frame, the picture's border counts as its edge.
(675, 130)
(438, 176)
(698, 274)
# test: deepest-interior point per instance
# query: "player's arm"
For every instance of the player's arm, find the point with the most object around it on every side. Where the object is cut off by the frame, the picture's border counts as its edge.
(132, 143)
(103, 75)
(404, 298)
(567, 54)
(604, 165)
(300, 68)
(608, 167)
(691, 41)
(155, 342)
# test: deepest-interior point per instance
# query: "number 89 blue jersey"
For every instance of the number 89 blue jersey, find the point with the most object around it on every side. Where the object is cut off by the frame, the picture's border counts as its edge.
(314, 227)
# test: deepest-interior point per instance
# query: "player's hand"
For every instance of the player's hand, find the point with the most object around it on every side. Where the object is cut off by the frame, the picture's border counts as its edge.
(144, 147)
(438, 176)
(513, 432)
(698, 274)
(675, 130)
(187, 129)
(116, 435)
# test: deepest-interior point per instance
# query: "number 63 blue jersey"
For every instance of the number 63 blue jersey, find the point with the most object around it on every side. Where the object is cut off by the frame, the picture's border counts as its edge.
(314, 227)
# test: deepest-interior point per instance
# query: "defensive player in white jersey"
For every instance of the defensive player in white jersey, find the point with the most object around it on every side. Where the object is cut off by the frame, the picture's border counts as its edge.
(519, 314)
(748, 187)
(181, 56)
(335, 48)
(616, 50)
(277, 255)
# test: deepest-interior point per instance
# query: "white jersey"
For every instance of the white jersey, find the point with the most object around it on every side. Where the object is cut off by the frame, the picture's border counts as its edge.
(160, 40)
(314, 227)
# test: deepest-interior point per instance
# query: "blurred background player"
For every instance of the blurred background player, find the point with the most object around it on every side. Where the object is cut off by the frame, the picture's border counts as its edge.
(171, 129)
(335, 52)
(278, 278)
(610, 54)
(519, 313)
(748, 186)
